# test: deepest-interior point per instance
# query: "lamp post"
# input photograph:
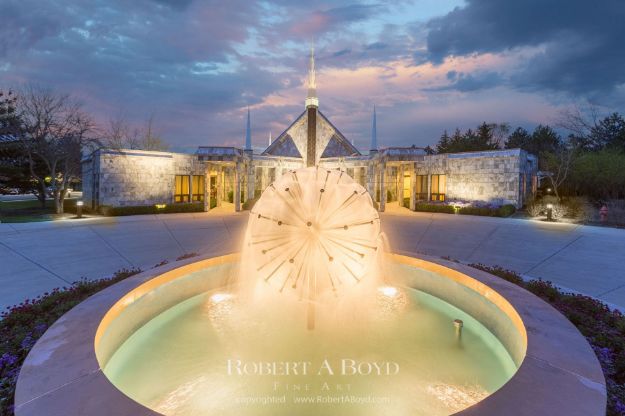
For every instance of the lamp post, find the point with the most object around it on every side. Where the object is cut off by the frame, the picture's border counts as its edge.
(79, 205)
(549, 212)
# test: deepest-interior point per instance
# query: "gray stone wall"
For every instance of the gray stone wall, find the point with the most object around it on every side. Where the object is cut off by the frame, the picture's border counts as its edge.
(87, 181)
(494, 177)
(136, 177)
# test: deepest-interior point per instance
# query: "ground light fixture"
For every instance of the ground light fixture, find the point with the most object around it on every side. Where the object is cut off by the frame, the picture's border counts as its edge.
(549, 212)
(79, 205)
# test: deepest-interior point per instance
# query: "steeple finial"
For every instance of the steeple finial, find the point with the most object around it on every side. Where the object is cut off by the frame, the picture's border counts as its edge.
(374, 132)
(248, 132)
(311, 99)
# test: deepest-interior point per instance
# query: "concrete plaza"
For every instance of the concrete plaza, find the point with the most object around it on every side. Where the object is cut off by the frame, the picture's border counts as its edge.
(37, 257)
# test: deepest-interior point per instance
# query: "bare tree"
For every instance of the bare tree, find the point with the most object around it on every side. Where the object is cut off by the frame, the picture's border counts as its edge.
(151, 140)
(577, 120)
(53, 130)
(119, 134)
(559, 165)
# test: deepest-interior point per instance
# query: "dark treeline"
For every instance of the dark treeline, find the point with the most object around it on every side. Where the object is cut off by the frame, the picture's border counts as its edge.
(589, 161)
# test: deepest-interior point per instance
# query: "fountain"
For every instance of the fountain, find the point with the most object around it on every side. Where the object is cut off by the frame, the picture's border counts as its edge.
(313, 235)
(315, 317)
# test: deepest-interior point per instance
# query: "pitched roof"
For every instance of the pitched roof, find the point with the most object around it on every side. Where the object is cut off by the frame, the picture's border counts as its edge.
(278, 142)
(338, 145)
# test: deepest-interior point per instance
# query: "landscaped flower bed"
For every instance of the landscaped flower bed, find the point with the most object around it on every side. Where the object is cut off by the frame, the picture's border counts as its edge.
(603, 328)
(22, 325)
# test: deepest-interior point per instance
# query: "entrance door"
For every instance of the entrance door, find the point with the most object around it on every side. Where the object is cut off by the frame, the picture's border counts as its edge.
(212, 186)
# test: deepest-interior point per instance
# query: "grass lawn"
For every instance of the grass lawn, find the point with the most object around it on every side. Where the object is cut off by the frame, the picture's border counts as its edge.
(30, 210)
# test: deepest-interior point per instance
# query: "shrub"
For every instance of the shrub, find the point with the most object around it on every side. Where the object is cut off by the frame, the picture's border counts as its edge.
(616, 211)
(447, 209)
(151, 209)
(507, 210)
(187, 256)
(579, 208)
(503, 211)
(249, 204)
(534, 208)
(603, 328)
(558, 211)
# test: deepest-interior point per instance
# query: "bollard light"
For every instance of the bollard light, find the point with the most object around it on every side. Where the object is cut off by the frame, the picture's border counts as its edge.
(79, 205)
(549, 212)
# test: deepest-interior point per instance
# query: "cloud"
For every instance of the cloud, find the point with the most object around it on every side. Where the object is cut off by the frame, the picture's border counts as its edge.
(470, 82)
(580, 44)
(196, 65)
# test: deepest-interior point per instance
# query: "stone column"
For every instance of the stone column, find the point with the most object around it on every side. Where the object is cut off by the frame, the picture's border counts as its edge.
(251, 181)
(219, 185)
(429, 195)
(207, 196)
(264, 181)
(237, 188)
(370, 180)
(413, 186)
(190, 188)
(400, 185)
(382, 186)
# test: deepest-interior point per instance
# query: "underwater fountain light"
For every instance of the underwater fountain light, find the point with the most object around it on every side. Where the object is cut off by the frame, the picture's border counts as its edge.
(389, 291)
(313, 233)
(220, 297)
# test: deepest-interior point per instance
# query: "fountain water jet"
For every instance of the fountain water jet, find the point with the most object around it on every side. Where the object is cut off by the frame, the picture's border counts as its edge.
(314, 235)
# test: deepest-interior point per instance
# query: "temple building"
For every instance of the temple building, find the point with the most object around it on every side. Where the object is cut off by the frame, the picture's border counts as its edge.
(218, 175)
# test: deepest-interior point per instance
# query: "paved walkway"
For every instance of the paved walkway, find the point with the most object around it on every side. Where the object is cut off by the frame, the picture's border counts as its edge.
(37, 257)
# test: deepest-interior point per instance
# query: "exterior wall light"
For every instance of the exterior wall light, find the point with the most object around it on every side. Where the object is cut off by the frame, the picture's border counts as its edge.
(160, 206)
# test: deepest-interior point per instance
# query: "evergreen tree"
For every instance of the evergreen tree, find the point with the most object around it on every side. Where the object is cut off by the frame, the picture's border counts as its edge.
(519, 139)
(443, 143)
(609, 133)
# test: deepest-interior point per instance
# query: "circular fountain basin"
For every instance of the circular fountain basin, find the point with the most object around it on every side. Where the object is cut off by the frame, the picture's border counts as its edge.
(166, 343)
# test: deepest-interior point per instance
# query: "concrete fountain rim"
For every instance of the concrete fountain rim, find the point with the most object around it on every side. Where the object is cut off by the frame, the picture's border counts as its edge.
(560, 374)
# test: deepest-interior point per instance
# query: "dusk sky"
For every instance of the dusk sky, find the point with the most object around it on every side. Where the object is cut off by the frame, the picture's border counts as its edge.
(428, 65)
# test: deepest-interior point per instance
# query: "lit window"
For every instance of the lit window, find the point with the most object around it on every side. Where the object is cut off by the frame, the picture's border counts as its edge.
(198, 188)
(406, 193)
(181, 193)
(421, 188)
(439, 184)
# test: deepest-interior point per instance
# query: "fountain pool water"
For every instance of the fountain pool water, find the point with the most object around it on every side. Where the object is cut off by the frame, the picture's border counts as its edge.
(313, 319)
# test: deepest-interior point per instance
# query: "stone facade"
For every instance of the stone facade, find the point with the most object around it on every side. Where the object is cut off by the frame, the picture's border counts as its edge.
(135, 177)
(495, 176)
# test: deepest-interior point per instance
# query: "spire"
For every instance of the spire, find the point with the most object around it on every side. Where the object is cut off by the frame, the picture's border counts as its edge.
(269, 137)
(374, 132)
(248, 132)
(311, 99)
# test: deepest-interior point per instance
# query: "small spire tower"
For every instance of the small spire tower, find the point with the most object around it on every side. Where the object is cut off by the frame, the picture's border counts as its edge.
(374, 133)
(248, 132)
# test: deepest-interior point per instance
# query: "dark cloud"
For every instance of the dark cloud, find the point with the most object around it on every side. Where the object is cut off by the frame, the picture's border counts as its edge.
(581, 43)
(471, 82)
